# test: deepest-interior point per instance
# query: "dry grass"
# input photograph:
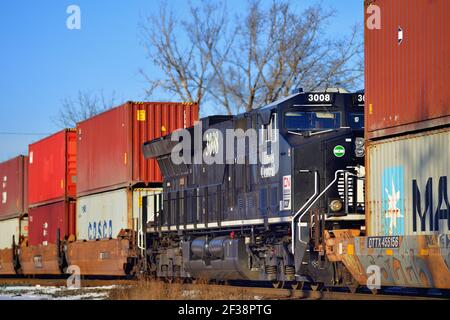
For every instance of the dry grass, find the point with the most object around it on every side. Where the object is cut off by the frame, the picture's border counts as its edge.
(159, 290)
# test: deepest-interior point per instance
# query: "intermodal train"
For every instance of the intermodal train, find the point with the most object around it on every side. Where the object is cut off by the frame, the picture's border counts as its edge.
(234, 220)
(329, 188)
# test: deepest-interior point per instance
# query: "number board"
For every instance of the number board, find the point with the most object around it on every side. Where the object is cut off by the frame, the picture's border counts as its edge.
(359, 99)
(320, 98)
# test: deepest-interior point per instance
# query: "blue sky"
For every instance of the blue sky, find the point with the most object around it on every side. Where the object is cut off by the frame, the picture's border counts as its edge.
(42, 62)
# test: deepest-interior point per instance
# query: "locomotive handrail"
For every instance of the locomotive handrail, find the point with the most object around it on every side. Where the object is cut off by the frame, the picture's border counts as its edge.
(305, 210)
(316, 191)
(310, 134)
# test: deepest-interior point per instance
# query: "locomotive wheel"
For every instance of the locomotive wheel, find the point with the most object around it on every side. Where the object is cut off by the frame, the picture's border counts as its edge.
(278, 284)
(298, 285)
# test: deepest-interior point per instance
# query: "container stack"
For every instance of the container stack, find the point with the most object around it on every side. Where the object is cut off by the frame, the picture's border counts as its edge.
(408, 119)
(13, 210)
(52, 178)
(13, 202)
(112, 172)
(113, 177)
(407, 123)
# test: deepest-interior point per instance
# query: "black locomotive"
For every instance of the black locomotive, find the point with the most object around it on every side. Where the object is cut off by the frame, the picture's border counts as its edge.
(249, 197)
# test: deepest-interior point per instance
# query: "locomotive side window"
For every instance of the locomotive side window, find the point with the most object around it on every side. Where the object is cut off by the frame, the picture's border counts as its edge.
(312, 120)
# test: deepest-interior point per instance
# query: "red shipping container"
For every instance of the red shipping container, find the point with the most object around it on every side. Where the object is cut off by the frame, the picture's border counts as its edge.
(52, 168)
(13, 190)
(109, 145)
(44, 222)
(407, 66)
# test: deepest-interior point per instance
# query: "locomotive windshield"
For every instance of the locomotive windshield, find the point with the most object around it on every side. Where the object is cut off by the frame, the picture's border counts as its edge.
(356, 121)
(311, 121)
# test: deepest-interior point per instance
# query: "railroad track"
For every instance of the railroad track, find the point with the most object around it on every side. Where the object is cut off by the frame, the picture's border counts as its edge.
(259, 292)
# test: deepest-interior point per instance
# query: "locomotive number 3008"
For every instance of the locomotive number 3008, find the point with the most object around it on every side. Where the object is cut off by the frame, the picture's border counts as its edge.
(319, 97)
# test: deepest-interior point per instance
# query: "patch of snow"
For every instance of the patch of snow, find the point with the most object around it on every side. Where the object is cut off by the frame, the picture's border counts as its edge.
(54, 293)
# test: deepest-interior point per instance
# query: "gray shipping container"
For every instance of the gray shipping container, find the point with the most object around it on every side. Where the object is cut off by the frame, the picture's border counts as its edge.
(407, 185)
(12, 227)
(103, 215)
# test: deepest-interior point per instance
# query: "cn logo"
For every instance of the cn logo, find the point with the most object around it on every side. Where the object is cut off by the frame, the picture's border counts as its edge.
(286, 182)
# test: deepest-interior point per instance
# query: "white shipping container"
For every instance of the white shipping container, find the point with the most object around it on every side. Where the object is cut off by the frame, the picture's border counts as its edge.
(10, 228)
(408, 185)
(104, 215)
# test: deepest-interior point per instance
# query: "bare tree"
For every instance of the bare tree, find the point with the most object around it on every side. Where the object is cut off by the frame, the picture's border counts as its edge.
(257, 59)
(182, 49)
(84, 106)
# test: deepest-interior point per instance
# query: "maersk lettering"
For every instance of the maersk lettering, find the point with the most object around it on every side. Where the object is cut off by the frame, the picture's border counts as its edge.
(442, 211)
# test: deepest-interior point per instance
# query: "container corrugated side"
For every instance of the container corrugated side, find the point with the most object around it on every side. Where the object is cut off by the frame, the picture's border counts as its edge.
(110, 144)
(407, 66)
(104, 215)
(44, 222)
(160, 119)
(8, 229)
(408, 185)
(13, 177)
(52, 168)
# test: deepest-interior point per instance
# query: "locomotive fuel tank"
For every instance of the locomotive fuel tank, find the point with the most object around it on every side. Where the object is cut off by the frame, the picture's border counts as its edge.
(219, 258)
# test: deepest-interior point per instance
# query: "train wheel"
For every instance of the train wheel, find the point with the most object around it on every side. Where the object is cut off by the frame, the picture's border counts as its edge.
(278, 284)
(374, 291)
(298, 285)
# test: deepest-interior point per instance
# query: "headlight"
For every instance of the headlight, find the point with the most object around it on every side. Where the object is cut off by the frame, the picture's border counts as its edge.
(336, 205)
(359, 142)
(359, 147)
(359, 152)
